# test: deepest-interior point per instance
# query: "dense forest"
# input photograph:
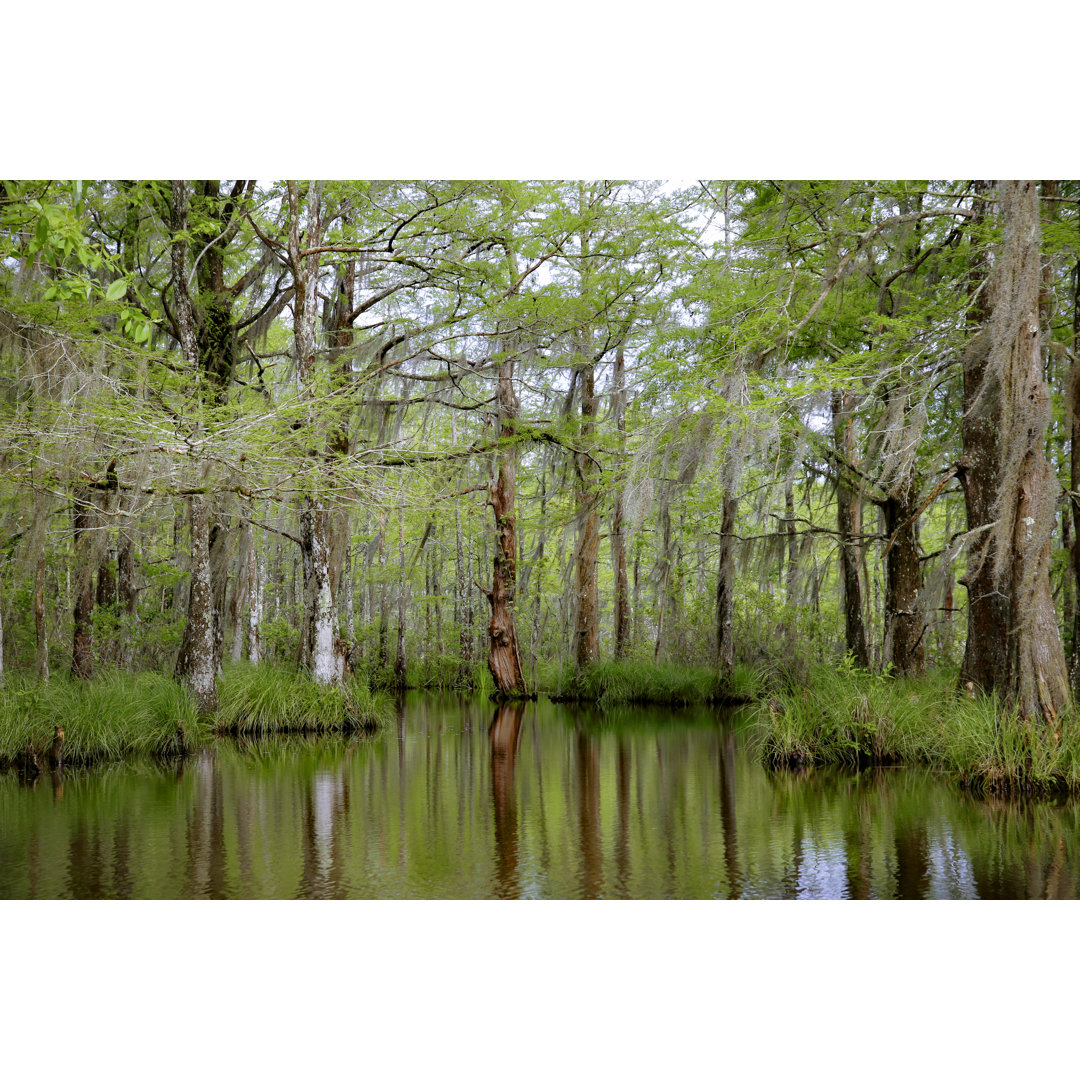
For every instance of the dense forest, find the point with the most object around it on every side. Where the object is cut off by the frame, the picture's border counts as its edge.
(521, 436)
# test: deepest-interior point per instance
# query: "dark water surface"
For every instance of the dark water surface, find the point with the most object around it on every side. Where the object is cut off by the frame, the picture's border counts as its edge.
(465, 801)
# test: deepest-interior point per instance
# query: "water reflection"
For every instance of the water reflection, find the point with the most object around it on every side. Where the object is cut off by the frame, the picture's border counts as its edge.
(503, 736)
(461, 801)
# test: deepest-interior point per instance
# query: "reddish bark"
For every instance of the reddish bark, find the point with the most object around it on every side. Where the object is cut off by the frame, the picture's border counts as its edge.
(504, 656)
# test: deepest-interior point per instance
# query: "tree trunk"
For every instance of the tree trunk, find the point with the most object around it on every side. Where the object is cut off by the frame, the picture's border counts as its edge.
(255, 585)
(38, 546)
(320, 657)
(904, 626)
(792, 583)
(127, 593)
(403, 600)
(725, 592)
(82, 648)
(1010, 490)
(618, 537)
(504, 657)
(1073, 399)
(849, 522)
(196, 665)
(587, 635)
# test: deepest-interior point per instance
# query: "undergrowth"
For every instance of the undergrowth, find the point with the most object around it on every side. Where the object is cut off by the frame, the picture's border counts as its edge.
(115, 715)
(844, 716)
(623, 682)
(264, 699)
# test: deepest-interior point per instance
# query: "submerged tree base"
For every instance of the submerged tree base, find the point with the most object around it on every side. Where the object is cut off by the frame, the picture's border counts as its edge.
(857, 719)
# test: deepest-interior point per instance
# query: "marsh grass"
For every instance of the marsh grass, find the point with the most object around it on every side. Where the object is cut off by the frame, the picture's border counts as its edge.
(609, 683)
(113, 716)
(855, 718)
(265, 700)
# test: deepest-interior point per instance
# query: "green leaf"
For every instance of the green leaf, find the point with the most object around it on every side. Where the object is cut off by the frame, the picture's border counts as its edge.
(117, 289)
(42, 231)
(142, 333)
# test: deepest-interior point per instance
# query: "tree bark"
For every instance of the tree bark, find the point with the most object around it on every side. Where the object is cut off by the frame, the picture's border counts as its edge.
(1010, 490)
(904, 626)
(849, 523)
(587, 636)
(40, 626)
(196, 666)
(725, 592)
(504, 657)
(82, 647)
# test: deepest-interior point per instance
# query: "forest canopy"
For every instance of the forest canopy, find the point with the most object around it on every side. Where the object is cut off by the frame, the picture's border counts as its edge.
(495, 433)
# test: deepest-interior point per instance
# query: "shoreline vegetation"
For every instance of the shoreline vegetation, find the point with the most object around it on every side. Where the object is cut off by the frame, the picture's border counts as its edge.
(825, 717)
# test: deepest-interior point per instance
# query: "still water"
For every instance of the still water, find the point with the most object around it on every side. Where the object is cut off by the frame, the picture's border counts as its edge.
(463, 800)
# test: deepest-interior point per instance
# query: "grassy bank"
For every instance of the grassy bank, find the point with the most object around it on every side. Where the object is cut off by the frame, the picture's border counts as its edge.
(121, 714)
(625, 682)
(266, 700)
(114, 716)
(844, 717)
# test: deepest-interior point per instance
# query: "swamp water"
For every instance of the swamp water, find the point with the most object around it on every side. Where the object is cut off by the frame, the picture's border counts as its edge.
(463, 800)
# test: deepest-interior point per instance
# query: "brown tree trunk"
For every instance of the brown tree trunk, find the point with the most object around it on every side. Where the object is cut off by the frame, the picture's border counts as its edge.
(504, 657)
(587, 637)
(725, 592)
(82, 647)
(849, 523)
(40, 626)
(1009, 487)
(196, 665)
(904, 625)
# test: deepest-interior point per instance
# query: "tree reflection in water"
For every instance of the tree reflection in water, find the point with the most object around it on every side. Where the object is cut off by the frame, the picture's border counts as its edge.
(503, 737)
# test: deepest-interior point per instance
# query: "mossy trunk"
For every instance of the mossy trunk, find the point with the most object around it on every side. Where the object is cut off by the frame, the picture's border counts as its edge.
(1014, 645)
(904, 625)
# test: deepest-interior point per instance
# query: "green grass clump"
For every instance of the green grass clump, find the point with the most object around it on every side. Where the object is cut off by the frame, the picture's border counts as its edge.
(116, 715)
(262, 700)
(622, 682)
(850, 717)
(992, 750)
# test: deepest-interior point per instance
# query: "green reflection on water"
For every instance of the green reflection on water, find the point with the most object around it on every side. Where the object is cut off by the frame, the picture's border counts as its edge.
(461, 800)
